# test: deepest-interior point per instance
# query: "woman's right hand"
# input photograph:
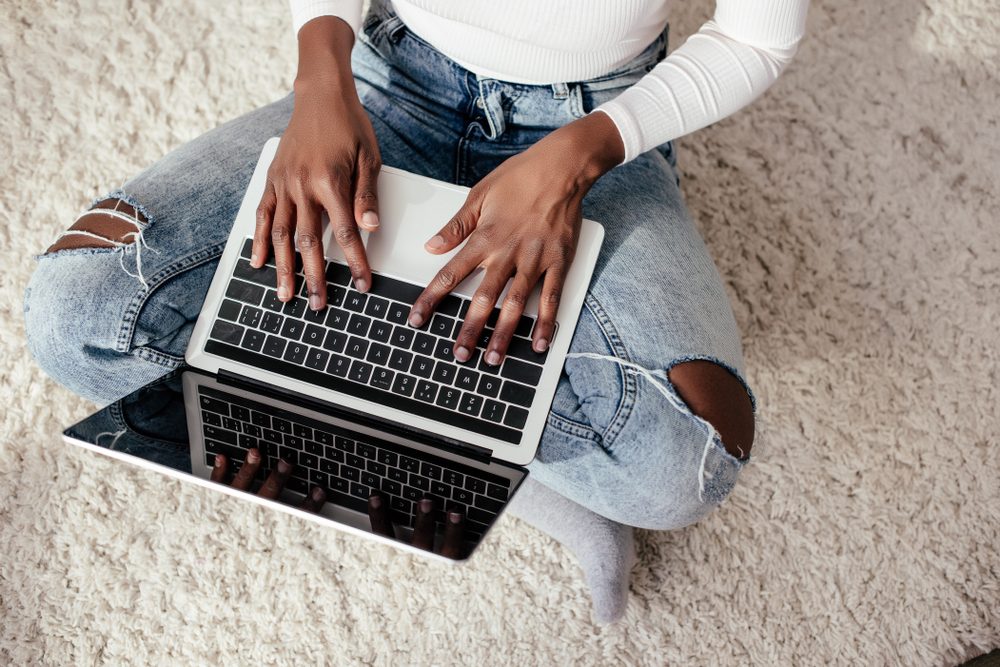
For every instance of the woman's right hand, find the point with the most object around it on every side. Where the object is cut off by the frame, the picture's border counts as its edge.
(328, 159)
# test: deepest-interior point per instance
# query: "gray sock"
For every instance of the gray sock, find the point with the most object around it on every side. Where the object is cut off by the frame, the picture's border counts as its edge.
(605, 549)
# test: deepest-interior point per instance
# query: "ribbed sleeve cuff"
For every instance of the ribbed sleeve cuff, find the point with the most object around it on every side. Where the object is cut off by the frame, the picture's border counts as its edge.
(304, 11)
(627, 126)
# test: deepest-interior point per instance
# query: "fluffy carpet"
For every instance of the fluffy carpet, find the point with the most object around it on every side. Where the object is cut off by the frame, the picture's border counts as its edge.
(852, 212)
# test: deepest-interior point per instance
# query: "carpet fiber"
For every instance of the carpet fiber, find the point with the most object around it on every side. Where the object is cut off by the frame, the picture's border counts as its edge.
(852, 212)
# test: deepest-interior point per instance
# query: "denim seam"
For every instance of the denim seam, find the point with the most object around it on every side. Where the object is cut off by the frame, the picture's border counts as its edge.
(130, 318)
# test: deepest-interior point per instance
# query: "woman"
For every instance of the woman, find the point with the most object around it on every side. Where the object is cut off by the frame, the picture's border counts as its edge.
(549, 111)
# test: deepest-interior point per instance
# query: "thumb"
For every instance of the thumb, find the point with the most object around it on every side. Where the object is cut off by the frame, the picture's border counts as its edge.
(458, 228)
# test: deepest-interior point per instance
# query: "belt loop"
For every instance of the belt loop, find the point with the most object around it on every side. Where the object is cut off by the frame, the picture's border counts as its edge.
(560, 91)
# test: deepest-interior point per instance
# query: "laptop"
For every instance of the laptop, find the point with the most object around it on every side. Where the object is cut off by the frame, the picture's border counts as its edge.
(353, 396)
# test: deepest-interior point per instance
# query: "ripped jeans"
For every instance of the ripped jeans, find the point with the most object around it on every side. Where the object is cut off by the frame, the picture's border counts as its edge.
(618, 439)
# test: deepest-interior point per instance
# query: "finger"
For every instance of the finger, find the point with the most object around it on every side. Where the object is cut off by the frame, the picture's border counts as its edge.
(314, 501)
(423, 527)
(219, 468)
(378, 514)
(457, 229)
(309, 233)
(479, 311)
(244, 478)
(454, 526)
(444, 281)
(282, 240)
(548, 306)
(275, 482)
(346, 234)
(262, 230)
(366, 191)
(510, 314)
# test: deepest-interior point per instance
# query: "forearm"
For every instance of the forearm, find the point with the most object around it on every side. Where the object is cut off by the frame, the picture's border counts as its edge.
(324, 53)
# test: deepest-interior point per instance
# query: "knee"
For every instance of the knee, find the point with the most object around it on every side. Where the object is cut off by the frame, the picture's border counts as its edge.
(716, 395)
(108, 224)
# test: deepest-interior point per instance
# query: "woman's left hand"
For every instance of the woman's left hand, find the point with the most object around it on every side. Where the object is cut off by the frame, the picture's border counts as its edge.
(522, 221)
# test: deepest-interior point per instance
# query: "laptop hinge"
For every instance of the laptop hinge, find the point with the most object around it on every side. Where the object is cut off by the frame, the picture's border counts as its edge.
(481, 454)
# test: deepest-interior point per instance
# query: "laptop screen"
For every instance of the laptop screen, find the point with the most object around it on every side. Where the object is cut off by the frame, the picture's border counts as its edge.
(340, 471)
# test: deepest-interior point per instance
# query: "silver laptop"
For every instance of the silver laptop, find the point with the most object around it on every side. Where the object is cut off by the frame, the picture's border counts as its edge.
(356, 399)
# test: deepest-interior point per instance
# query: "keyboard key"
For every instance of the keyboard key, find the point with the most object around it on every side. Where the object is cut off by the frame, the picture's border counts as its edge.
(317, 359)
(292, 328)
(488, 504)
(360, 372)
(486, 368)
(420, 482)
(430, 470)
(245, 292)
(260, 419)
(338, 273)
(211, 418)
(218, 434)
(424, 344)
(400, 360)
(475, 485)
(517, 393)
(488, 386)
(213, 404)
(313, 334)
(352, 474)
(335, 341)
(449, 305)
(271, 301)
(467, 379)
(408, 463)
(359, 325)
(297, 484)
(229, 310)
(339, 365)
(322, 437)
(521, 371)
(524, 326)
(371, 480)
(395, 489)
(470, 404)
(336, 318)
(397, 475)
(452, 478)
(365, 450)
(380, 331)
(308, 460)
(442, 350)
(315, 316)
(387, 457)
(334, 454)
(444, 372)
(335, 294)
(426, 391)
(355, 301)
(328, 466)
(440, 489)
(319, 478)
(377, 468)
(382, 378)
(360, 491)
(296, 307)
(396, 290)
(404, 384)
(376, 306)
(271, 322)
(449, 397)
(296, 353)
(402, 337)
(521, 348)
(274, 346)
(462, 496)
(441, 325)
(422, 366)
(357, 347)
(516, 417)
(314, 447)
(412, 493)
(397, 313)
(344, 444)
(253, 340)
(282, 426)
(355, 460)
(227, 332)
(493, 411)
(482, 516)
(266, 275)
(378, 354)
(496, 491)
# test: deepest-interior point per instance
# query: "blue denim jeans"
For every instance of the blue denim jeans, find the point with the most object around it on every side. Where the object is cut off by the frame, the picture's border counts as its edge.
(618, 439)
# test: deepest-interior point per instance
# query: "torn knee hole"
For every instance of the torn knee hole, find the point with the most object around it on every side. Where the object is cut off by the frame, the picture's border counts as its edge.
(110, 223)
(713, 393)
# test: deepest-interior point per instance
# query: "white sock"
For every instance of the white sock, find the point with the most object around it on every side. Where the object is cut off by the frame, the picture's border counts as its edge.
(604, 548)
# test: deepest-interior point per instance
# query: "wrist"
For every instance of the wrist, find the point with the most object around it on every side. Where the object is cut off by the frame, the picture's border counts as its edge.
(325, 45)
(596, 144)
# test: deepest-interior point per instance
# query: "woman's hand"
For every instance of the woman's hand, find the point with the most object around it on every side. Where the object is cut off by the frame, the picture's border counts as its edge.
(522, 221)
(328, 159)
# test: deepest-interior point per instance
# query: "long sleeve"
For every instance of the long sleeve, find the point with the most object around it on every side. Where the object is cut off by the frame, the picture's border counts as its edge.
(304, 11)
(728, 63)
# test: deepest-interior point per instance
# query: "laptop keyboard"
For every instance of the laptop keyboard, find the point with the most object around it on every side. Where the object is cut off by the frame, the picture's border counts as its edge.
(346, 464)
(361, 345)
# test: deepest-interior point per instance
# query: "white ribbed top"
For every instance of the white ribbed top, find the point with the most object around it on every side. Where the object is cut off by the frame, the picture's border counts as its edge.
(731, 60)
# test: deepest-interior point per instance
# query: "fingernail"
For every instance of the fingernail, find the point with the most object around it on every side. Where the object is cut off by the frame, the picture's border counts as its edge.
(375, 502)
(253, 259)
(314, 302)
(318, 494)
(493, 357)
(435, 242)
(462, 353)
(253, 456)
(361, 284)
(218, 461)
(284, 466)
(283, 292)
(425, 505)
(416, 318)
(454, 517)
(369, 219)
(541, 345)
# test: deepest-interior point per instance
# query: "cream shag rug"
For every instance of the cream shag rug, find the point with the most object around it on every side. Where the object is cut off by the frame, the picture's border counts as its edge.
(852, 211)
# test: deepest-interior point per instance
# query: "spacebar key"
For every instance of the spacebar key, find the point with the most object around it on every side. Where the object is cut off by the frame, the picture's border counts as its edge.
(391, 288)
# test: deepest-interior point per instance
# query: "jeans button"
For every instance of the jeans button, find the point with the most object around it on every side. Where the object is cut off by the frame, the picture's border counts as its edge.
(480, 103)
